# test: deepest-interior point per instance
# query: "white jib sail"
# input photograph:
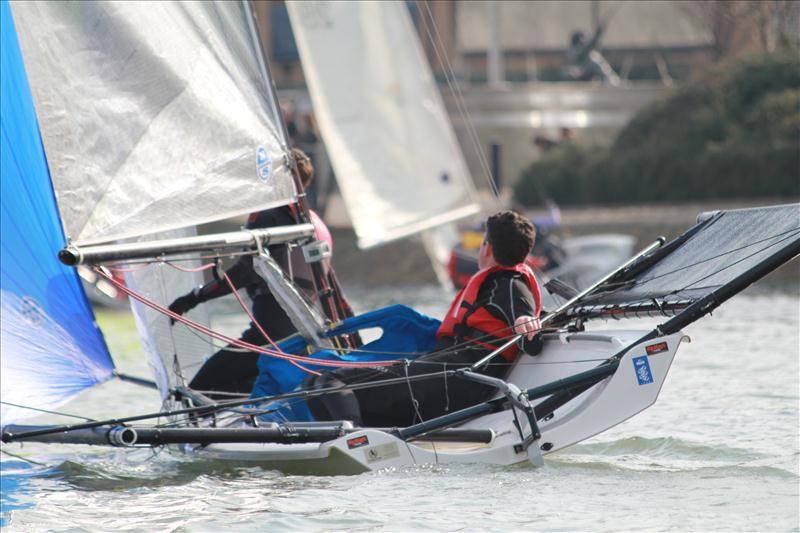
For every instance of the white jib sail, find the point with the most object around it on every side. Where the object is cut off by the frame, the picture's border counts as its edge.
(396, 157)
(154, 115)
(174, 353)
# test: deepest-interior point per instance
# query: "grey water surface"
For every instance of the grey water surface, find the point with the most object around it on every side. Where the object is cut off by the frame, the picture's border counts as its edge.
(719, 451)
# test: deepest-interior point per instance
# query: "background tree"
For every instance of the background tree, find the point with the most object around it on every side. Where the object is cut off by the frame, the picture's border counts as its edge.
(737, 26)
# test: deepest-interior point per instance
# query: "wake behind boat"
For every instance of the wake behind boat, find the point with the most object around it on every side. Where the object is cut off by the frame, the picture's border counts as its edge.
(133, 209)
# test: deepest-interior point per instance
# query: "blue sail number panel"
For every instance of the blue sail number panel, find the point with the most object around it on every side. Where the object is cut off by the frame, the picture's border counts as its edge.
(50, 345)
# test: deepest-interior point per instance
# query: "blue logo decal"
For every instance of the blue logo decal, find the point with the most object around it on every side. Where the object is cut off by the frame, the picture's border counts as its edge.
(643, 372)
(262, 163)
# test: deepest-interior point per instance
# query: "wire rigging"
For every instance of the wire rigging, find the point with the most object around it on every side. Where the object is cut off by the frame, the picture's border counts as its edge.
(59, 413)
(452, 84)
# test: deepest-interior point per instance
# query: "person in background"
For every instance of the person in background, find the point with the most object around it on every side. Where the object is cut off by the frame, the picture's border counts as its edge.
(566, 135)
(307, 140)
(501, 299)
(546, 144)
(585, 62)
(231, 370)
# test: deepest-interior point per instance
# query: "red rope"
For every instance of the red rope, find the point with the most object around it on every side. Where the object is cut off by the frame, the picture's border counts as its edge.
(187, 269)
(131, 269)
(264, 333)
(236, 342)
(245, 309)
(176, 267)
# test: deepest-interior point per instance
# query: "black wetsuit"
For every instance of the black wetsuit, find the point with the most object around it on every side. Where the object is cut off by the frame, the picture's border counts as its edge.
(231, 370)
(504, 294)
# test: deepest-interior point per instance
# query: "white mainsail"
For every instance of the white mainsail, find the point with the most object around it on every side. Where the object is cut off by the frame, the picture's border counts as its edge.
(396, 157)
(155, 117)
(146, 108)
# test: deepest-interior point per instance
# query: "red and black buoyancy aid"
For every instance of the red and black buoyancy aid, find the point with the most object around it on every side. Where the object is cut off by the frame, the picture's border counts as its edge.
(467, 319)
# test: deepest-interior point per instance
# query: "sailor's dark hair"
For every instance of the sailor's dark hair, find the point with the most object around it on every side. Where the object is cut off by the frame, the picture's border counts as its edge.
(304, 166)
(511, 236)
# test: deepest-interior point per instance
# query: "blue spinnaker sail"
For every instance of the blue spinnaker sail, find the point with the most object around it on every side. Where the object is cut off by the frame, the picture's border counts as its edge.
(50, 346)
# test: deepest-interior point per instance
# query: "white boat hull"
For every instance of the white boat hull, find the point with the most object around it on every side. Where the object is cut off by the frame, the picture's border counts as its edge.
(632, 388)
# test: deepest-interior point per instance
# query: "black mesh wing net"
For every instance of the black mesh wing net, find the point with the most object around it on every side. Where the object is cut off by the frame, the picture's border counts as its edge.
(726, 250)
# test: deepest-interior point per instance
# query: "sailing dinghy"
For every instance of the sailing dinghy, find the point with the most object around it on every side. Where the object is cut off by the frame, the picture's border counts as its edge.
(398, 163)
(399, 166)
(156, 120)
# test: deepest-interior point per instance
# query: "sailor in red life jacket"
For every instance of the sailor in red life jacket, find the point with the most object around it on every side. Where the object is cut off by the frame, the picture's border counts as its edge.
(230, 369)
(503, 298)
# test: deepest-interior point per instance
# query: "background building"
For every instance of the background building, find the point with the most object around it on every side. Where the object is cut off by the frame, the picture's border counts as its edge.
(507, 61)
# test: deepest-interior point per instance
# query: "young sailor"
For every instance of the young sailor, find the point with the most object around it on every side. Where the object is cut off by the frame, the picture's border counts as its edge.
(503, 298)
(230, 369)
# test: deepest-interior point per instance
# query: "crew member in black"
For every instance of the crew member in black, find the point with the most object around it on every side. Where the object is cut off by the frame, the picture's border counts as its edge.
(503, 296)
(230, 369)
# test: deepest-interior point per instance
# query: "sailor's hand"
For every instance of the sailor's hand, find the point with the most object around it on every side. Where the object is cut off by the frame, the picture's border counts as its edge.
(527, 325)
(183, 304)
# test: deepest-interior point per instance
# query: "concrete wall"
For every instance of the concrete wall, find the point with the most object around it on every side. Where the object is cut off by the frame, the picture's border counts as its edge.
(513, 115)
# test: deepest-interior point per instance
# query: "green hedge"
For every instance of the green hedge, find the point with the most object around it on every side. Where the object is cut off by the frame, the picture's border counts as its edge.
(734, 133)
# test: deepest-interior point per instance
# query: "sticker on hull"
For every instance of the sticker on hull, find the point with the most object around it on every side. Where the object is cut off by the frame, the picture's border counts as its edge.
(357, 442)
(642, 367)
(656, 348)
(382, 452)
